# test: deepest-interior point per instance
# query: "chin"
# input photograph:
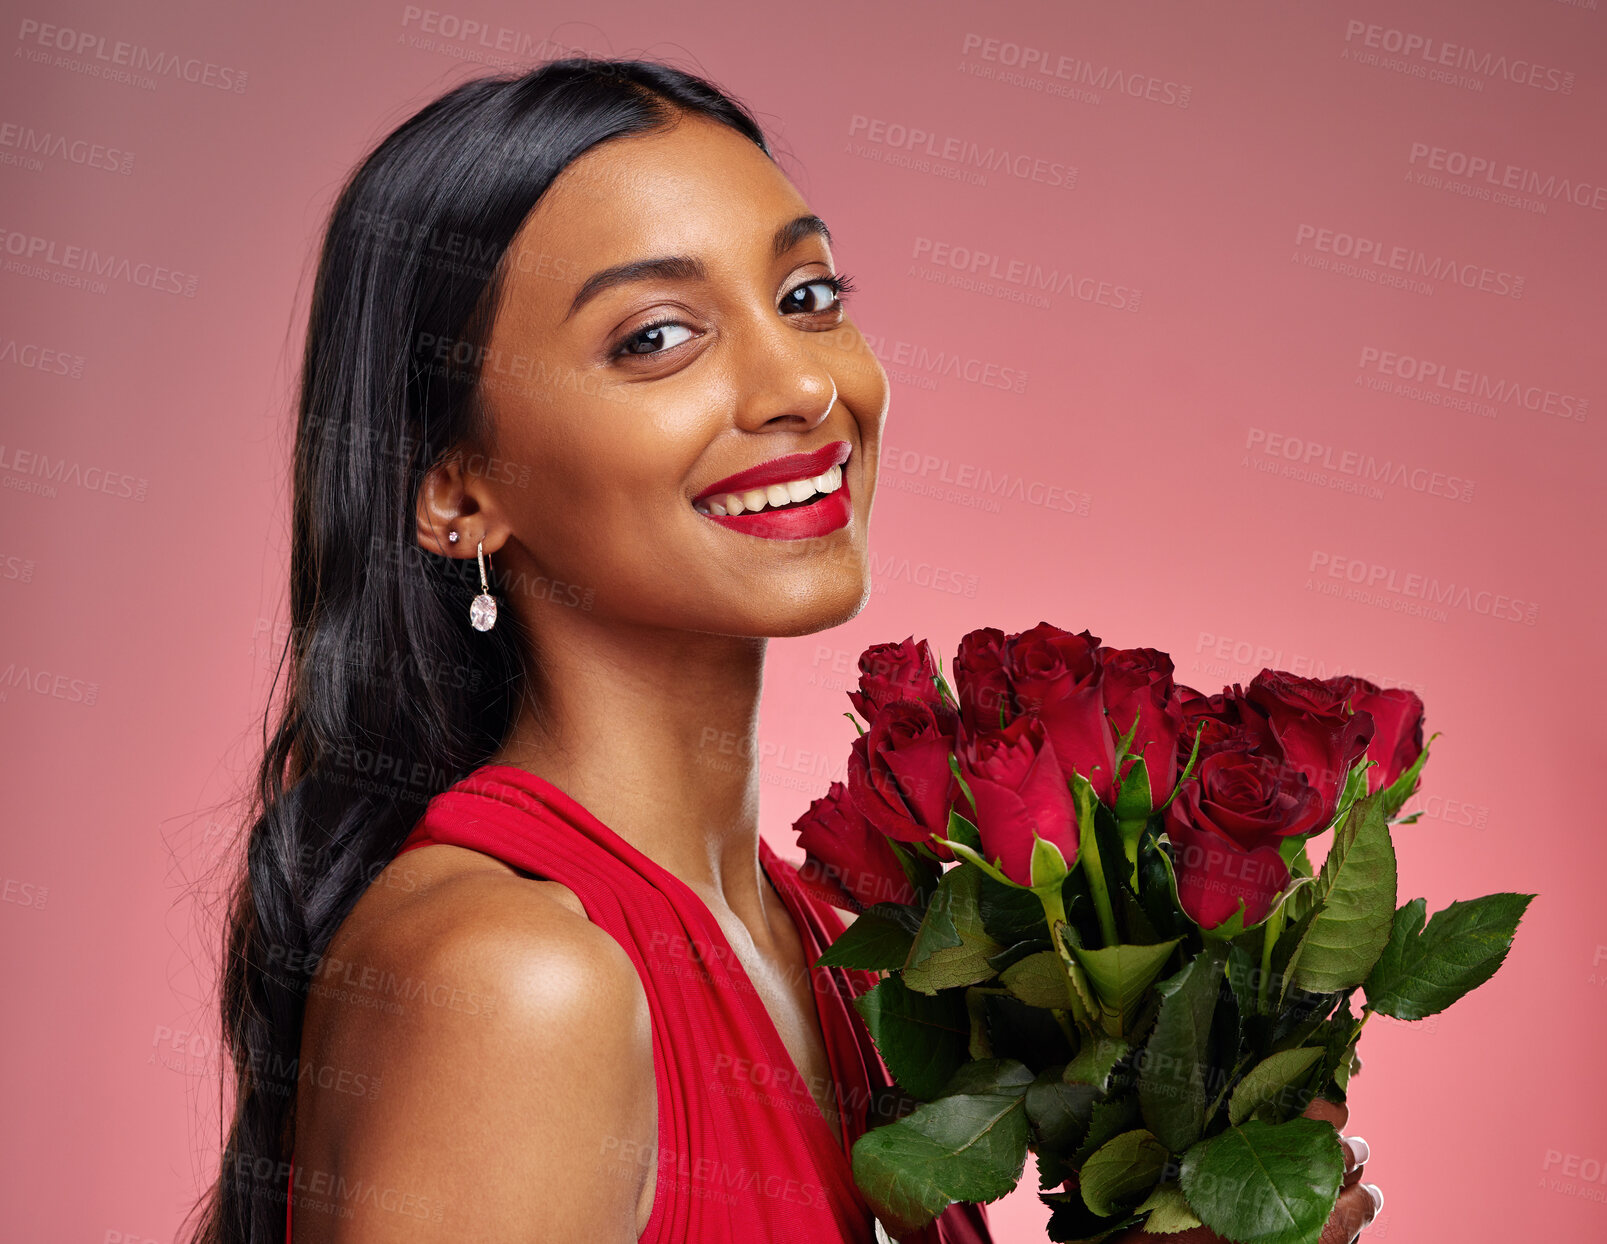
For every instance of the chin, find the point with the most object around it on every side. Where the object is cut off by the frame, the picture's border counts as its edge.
(820, 608)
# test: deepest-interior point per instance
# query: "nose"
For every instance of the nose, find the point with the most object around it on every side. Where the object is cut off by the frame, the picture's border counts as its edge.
(784, 382)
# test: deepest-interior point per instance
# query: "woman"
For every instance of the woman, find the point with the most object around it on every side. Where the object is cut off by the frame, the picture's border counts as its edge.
(578, 321)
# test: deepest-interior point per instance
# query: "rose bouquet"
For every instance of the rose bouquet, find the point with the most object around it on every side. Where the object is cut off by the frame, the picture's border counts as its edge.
(1088, 929)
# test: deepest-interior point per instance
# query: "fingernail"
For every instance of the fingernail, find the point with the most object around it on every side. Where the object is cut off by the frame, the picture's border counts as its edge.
(1378, 1198)
(1360, 1148)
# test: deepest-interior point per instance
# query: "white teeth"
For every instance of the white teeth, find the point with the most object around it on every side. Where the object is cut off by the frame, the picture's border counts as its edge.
(829, 480)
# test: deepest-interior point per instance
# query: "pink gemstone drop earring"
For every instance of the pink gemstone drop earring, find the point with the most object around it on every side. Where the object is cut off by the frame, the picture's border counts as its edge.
(483, 608)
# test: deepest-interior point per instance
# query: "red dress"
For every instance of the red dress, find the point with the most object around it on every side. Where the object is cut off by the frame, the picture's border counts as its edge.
(745, 1155)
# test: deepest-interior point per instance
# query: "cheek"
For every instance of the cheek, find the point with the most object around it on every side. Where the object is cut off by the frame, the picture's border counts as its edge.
(862, 383)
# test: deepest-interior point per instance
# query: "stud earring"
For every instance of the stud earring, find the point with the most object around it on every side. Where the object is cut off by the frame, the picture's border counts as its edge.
(452, 537)
(483, 608)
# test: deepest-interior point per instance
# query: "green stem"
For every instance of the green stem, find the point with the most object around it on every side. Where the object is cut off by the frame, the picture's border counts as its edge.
(1222, 1093)
(1054, 907)
(1054, 911)
(1270, 932)
(1088, 850)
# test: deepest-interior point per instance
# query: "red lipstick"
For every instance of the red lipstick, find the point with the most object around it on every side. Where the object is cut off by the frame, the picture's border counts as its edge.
(817, 516)
(780, 470)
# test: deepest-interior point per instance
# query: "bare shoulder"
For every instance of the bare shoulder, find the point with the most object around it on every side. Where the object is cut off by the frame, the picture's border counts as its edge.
(504, 1047)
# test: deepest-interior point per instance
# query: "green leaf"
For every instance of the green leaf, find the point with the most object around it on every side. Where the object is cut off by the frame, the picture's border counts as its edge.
(1171, 1085)
(921, 873)
(1095, 1060)
(1087, 1009)
(989, 1075)
(945, 964)
(969, 1146)
(962, 830)
(1355, 789)
(937, 929)
(1266, 1183)
(1423, 972)
(1395, 795)
(1338, 1034)
(959, 778)
(1355, 898)
(922, 1039)
(1048, 866)
(1188, 769)
(1059, 1111)
(973, 857)
(1009, 913)
(1110, 1118)
(1269, 1079)
(879, 939)
(1293, 852)
(1133, 808)
(1072, 1222)
(1121, 1171)
(1168, 1211)
(1040, 980)
(1120, 975)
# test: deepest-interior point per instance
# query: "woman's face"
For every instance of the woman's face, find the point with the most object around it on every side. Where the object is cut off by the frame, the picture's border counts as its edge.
(618, 405)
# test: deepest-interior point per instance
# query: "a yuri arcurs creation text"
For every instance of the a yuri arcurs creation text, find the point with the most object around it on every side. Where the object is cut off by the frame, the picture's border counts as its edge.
(1089, 929)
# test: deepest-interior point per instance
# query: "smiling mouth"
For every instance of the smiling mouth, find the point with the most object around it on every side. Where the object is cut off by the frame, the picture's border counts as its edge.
(792, 495)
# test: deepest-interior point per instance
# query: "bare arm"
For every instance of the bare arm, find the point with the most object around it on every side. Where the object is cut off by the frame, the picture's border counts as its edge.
(509, 1089)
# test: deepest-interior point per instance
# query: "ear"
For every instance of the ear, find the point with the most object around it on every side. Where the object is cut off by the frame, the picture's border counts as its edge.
(453, 499)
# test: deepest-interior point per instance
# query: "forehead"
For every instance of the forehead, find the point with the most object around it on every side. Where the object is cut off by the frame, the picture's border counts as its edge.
(698, 189)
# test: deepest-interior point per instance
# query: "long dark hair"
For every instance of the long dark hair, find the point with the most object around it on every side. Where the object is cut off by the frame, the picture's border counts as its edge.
(389, 695)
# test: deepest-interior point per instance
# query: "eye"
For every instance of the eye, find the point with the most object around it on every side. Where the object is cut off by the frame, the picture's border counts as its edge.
(839, 287)
(653, 336)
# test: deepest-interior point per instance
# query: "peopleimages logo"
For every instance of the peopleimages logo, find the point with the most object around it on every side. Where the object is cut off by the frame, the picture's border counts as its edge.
(1503, 176)
(72, 264)
(1357, 465)
(88, 52)
(1369, 582)
(1057, 64)
(1428, 377)
(966, 152)
(1407, 260)
(1428, 52)
(980, 265)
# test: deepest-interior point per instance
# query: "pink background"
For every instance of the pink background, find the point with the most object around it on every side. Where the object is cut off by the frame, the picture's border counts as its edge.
(1132, 454)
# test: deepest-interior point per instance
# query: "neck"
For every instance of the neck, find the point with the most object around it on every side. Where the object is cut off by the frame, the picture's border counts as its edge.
(654, 732)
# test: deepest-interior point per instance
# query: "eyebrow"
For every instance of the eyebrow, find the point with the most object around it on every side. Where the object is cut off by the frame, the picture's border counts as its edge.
(685, 267)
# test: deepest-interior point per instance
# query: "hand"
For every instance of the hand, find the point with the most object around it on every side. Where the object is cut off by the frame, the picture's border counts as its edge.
(1358, 1203)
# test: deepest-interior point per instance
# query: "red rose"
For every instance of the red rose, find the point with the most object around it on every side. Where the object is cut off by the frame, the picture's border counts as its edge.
(1315, 729)
(1398, 726)
(1218, 722)
(980, 683)
(898, 770)
(847, 862)
(1058, 677)
(1138, 682)
(1214, 876)
(1226, 829)
(1018, 788)
(901, 671)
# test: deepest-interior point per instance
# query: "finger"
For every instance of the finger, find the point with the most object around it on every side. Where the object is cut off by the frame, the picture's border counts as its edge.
(1328, 1111)
(1356, 1151)
(1354, 1209)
